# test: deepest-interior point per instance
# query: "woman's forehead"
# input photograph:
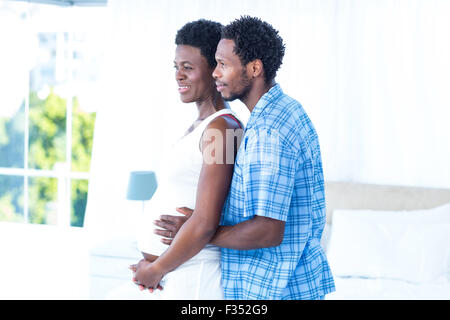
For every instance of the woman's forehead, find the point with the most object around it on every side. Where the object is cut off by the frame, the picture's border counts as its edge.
(186, 53)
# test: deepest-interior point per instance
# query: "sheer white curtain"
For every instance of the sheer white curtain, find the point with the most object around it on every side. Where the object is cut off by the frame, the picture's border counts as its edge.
(393, 99)
(373, 75)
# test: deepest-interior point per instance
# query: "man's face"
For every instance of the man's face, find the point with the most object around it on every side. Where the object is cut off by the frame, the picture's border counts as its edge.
(231, 76)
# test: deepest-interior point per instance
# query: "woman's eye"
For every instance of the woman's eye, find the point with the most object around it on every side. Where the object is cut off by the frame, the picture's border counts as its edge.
(182, 67)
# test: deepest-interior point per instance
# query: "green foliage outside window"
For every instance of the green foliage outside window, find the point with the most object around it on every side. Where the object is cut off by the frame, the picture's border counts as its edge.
(47, 146)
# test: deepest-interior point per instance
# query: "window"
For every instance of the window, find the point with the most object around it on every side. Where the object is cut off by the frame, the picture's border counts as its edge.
(49, 64)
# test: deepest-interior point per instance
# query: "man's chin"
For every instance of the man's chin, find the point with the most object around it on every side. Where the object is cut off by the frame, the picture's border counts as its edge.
(230, 97)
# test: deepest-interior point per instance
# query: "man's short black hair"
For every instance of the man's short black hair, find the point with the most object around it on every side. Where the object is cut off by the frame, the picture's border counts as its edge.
(256, 39)
(202, 34)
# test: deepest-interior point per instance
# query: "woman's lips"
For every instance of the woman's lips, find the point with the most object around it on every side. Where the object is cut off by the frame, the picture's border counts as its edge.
(183, 89)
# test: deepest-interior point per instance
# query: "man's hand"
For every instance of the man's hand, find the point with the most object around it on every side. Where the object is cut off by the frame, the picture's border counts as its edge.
(171, 224)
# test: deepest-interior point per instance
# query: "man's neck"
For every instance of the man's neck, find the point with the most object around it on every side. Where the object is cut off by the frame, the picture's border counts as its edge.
(258, 89)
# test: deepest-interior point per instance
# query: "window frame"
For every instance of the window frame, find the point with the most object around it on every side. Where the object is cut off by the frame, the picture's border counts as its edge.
(68, 3)
(64, 173)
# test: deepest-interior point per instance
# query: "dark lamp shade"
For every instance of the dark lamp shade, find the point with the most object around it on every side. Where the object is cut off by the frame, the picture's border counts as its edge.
(141, 185)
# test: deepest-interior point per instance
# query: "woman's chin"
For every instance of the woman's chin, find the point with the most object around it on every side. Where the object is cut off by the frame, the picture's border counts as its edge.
(185, 99)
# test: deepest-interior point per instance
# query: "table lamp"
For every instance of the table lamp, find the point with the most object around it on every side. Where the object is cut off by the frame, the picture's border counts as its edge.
(141, 186)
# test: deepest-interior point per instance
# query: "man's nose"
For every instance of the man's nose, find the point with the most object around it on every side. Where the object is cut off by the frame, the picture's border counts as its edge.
(216, 73)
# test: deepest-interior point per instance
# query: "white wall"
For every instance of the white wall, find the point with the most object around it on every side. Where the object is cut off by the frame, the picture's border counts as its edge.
(373, 76)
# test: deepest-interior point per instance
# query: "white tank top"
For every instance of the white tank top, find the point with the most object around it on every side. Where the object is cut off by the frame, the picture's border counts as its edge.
(177, 187)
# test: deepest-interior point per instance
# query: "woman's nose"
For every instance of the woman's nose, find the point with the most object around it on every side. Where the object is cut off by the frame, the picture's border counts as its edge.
(179, 75)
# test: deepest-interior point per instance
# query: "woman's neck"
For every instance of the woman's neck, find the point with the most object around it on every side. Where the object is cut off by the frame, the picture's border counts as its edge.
(206, 108)
(210, 106)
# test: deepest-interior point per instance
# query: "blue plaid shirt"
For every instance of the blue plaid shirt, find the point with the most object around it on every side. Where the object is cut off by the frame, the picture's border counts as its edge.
(278, 174)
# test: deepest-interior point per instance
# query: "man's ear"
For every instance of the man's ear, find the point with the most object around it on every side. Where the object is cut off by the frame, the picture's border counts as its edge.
(257, 68)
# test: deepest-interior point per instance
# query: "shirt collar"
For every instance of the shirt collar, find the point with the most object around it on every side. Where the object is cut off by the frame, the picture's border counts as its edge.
(270, 96)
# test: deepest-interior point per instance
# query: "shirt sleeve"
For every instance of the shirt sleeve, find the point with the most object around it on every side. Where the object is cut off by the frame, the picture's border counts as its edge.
(268, 171)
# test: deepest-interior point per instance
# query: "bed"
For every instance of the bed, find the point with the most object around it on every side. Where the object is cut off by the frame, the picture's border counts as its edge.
(388, 242)
(358, 261)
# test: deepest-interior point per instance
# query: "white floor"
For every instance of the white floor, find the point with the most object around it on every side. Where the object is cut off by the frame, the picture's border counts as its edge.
(43, 262)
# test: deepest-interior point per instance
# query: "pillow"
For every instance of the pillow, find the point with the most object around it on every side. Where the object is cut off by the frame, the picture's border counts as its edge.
(405, 245)
(325, 239)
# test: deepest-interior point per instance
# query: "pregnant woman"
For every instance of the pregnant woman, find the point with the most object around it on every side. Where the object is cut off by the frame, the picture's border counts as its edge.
(197, 174)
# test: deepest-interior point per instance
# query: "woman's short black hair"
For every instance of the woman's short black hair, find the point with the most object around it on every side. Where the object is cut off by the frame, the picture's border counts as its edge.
(256, 39)
(202, 34)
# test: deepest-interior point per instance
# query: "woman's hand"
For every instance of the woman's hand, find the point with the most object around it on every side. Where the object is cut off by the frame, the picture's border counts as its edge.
(171, 224)
(133, 269)
(146, 275)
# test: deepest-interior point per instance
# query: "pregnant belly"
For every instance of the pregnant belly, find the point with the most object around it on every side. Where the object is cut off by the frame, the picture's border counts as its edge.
(149, 257)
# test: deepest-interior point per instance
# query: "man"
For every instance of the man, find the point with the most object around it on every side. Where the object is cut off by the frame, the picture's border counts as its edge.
(274, 215)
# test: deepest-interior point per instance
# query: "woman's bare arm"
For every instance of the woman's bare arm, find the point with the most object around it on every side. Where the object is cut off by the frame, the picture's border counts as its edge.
(213, 186)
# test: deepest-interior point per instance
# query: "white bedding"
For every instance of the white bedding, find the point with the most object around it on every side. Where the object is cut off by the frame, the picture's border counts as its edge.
(390, 255)
(384, 289)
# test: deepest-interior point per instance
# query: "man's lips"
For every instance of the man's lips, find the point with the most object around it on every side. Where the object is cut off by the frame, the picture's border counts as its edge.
(220, 86)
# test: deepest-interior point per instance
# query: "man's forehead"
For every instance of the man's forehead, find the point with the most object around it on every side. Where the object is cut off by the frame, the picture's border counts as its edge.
(226, 44)
(225, 48)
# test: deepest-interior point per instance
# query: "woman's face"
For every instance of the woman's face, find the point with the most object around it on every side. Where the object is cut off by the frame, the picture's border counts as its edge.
(193, 74)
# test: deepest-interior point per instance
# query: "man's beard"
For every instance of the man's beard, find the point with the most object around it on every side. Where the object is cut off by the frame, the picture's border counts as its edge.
(246, 85)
